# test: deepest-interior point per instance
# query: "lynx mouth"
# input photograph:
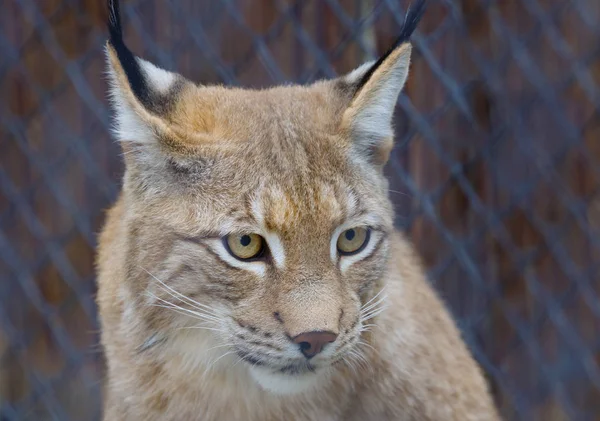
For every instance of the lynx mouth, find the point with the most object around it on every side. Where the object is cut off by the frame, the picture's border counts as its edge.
(298, 368)
(288, 380)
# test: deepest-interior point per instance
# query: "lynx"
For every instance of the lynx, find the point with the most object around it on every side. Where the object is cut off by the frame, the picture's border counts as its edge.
(250, 269)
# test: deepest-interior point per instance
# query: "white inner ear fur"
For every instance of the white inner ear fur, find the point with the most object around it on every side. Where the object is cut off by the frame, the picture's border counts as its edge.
(129, 126)
(159, 80)
(369, 116)
(355, 75)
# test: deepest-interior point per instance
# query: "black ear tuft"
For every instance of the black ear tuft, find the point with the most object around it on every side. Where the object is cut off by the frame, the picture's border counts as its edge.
(114, 22)
(129, 63)
(413, 16)
(412, 19)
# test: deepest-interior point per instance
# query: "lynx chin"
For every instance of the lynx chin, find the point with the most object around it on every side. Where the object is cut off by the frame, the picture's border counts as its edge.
(250, 269)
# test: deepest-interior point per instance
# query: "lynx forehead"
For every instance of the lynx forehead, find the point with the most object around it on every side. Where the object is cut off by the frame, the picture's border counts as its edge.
(250, 269)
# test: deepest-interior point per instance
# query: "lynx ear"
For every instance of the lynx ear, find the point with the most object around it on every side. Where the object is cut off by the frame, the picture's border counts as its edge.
(375, 88)
(142, 94)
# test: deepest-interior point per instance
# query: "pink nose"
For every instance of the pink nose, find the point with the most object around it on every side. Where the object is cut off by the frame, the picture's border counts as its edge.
(311, 343)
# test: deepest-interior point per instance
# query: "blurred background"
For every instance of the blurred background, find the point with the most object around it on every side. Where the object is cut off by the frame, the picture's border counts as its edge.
(495, 173)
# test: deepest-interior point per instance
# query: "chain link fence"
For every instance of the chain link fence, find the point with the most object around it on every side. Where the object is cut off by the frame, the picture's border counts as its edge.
(495, 174)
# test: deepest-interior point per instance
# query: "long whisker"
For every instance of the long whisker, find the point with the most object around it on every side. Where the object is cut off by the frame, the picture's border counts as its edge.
(374, 308)
(350, 363)
(202, 327)
(215, 361)
(373, 298)
(374, 304)
(194, 312)
(360, 358)
(399, 192)
(372, 313)
(355, 354)
(186, 311)
(181, 296)
(366, 344)
(218, 346)
(239, 360)
(357, 358)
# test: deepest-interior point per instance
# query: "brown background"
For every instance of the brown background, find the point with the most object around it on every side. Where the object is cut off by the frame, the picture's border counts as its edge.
(494, 175)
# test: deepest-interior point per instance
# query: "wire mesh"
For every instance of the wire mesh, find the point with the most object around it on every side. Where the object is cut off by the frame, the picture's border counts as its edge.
(494, 175)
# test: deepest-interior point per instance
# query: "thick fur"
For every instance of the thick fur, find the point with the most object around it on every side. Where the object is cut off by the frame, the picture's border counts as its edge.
(192, 333)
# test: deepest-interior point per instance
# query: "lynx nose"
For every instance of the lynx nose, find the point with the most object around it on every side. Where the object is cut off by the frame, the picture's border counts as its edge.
(311, 343)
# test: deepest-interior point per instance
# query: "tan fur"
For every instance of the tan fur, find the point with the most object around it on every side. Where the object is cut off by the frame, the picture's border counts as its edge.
(280, 162)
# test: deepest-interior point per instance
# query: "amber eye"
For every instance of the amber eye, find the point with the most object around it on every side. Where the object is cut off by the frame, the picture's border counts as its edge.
(353, 240)
(245, 246)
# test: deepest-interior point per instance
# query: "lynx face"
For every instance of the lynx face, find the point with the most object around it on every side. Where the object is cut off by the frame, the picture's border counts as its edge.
(257, 221)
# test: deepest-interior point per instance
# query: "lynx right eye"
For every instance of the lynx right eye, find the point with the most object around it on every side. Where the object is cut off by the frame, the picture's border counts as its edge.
(353, 240)
(245, 246)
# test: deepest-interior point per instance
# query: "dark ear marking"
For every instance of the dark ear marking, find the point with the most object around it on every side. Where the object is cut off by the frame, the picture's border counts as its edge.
(413, 16)
(138, 81)
(114, 21)
(128, 61)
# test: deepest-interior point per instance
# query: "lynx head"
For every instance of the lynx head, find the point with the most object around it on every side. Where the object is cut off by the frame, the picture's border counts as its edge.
(256, 220)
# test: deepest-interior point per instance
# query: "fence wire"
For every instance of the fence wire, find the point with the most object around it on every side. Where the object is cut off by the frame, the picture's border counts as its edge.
(494, 175)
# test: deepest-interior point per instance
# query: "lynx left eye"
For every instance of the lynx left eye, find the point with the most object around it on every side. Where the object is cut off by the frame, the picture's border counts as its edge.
(245, 246)
(353, 240)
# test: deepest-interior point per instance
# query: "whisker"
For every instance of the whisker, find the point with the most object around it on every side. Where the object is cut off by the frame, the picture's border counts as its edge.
(215, 361)
(195, 312)
(183, 311)
(239, 360)
(197, 306)
(187, 311)
(361, 360)
(372, 314)
(366, 344)
(202, 327)
(367, 314)
(373, 298)
(194, 303)
(350, 363)
(375, 304)
(354, 354)
(399, 192)
(219, 346)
